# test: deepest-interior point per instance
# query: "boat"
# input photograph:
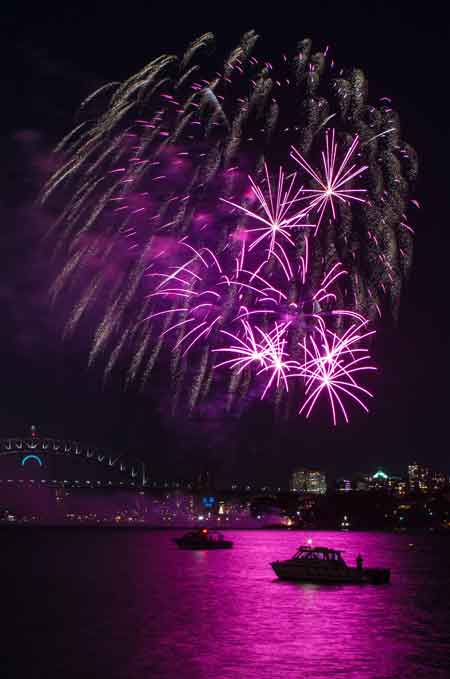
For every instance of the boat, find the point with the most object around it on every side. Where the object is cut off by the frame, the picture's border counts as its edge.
(203, 538)
(324, 565)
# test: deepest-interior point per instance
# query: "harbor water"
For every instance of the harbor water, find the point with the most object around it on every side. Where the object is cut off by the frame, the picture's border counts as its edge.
(128, 604)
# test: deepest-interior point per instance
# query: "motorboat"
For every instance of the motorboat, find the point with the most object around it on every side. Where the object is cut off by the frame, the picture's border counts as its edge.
(324, 565)
(203, 538)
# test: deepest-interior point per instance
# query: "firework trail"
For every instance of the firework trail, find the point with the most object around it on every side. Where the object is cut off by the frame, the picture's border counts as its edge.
(203, 213)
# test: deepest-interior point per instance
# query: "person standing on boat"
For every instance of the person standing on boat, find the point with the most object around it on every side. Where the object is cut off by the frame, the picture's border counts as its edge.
(359, 562)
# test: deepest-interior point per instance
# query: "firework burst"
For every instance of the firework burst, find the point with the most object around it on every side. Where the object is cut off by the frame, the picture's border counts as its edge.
(278, 364)
(263, 350)
(336, 178)
(179, 242)
(331, 365)
(277, 213)
(248, 349)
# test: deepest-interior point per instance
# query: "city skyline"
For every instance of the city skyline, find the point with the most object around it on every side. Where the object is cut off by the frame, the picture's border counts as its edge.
(38, 488)
(33, 457)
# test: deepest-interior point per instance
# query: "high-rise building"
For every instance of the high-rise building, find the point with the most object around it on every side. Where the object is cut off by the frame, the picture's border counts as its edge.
(419, 477)
(297, 482)
(440, 481)
(308, 481)
(317, 483)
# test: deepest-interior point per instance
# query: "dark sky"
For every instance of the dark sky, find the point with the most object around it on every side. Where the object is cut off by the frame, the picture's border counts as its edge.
(54, 58)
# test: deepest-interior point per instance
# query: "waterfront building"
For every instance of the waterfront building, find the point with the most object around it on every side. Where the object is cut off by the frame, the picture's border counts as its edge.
(439, 481)
(419, 477)
(308, 481)
(395, 484)
(400, 487)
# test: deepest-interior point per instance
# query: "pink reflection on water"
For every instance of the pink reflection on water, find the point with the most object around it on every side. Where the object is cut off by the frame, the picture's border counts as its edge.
(243, 622)
(134, 606)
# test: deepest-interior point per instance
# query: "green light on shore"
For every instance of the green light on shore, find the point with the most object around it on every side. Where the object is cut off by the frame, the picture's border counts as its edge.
(380, 475)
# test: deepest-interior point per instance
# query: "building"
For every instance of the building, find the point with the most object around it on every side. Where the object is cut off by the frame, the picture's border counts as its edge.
(419, 477)
(379, 481)
(439, 481)
(399, 487)
(308, 481)
(297, 482)
(344, 485)
(361, 482)
(425, 480)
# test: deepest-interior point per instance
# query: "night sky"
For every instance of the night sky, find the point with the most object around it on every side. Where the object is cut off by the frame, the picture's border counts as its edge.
(54, 58)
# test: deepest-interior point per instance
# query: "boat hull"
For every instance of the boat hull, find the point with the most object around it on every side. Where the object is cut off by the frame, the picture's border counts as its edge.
(294, 573)
(222, 544)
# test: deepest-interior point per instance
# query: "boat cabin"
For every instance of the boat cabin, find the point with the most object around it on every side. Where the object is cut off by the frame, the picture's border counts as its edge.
(332, 556)
(203, 538)
(211, 534)
(204, 534)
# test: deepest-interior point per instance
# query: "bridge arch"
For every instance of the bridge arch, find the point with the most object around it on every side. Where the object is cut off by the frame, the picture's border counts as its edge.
(36, 448)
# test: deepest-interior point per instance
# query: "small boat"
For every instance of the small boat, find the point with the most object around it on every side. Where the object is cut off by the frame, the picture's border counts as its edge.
(203, 538)
(324, 565)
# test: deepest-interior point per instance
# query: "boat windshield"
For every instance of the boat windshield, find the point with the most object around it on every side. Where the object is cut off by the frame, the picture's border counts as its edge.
(328, 555)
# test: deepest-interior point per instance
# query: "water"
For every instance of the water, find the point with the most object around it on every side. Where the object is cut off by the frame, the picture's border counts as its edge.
(130, 605)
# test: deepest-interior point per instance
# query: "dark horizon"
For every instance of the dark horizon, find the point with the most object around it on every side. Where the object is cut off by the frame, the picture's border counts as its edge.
(56, 58)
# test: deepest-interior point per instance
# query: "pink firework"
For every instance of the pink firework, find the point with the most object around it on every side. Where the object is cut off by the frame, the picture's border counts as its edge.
(247, 350)
(330, 367)
(277, 214)
(197, 293)
(277, 364)
(266, 350)
(334, 185)
(200, 311)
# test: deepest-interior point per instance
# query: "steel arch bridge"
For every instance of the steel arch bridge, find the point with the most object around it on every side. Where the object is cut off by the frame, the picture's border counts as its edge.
(34, 446)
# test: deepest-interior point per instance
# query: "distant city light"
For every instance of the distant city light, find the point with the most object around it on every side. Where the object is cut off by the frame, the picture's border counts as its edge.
(208, 501)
